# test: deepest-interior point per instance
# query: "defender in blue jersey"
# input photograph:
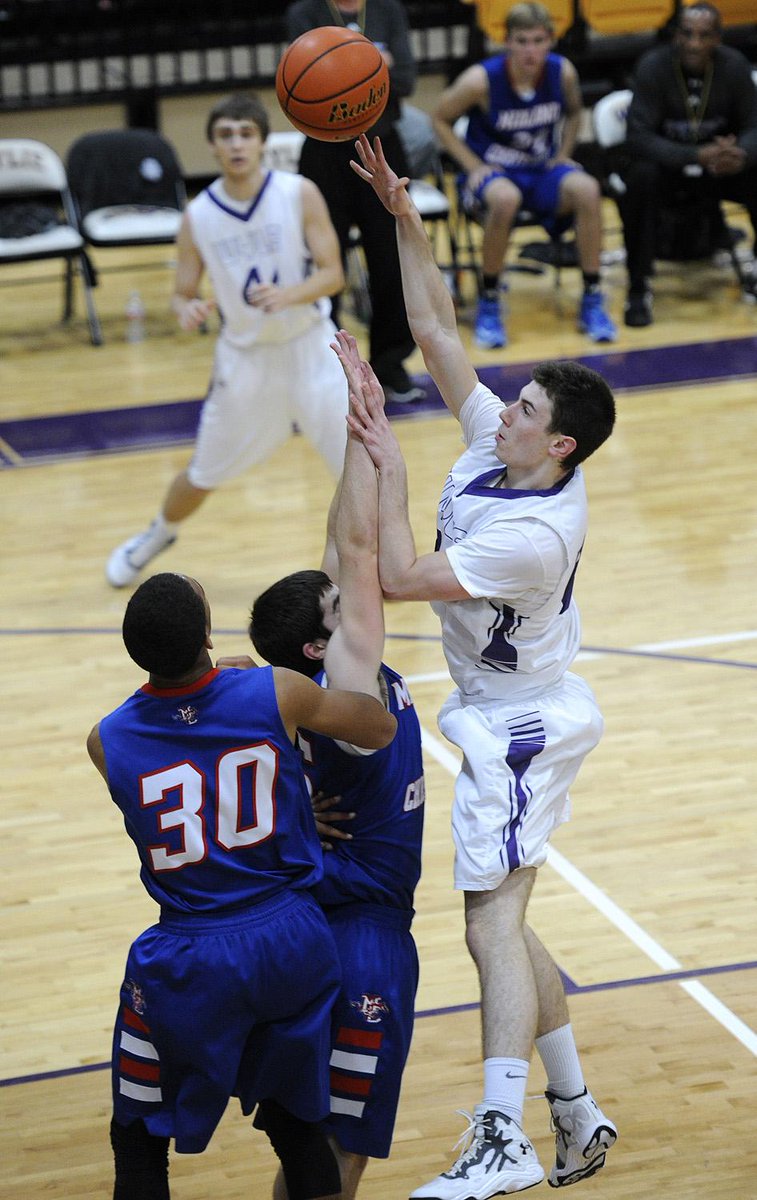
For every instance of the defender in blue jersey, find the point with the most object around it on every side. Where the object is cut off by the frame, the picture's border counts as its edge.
(510, 530)
(336, 635)
(230, 994)
(523, 109)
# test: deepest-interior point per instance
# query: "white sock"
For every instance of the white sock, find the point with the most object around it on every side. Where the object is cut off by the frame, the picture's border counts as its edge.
(505, 1086)
(559, 1053)
(162, 526)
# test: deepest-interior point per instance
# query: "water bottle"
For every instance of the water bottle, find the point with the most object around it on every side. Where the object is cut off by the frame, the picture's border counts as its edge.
(135, 318)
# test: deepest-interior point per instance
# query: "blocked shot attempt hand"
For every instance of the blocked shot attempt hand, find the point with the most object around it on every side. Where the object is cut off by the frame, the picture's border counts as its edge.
(360, 376)
(375, 170)
(367, 419)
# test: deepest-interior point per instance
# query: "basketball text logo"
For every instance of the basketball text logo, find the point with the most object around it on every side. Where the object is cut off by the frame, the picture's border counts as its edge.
(342, 111)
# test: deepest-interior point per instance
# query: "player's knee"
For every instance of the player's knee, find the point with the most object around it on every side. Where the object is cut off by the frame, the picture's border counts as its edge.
(503, 199)
(307, 1160)
(579, 190)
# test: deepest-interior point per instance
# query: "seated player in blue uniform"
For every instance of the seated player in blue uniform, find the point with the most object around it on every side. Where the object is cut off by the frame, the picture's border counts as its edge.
(231, 992)
(523, 110)
(336, 635)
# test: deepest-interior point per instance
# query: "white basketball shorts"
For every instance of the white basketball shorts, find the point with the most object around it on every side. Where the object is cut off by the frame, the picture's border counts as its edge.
(256, 394)
(518, 764)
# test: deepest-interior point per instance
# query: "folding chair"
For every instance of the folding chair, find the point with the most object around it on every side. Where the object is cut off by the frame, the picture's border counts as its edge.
(127, 186)
(33, 180)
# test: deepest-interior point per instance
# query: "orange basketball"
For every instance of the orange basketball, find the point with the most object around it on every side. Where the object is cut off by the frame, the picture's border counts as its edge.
(332, 83)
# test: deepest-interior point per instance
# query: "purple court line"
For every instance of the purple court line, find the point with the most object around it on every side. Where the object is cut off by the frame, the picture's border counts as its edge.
(571, 988)
(38, 440)
(738, 664)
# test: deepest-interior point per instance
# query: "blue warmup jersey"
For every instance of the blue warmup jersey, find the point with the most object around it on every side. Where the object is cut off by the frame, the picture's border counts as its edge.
(212, 792)
(517, 132)
(385, 790)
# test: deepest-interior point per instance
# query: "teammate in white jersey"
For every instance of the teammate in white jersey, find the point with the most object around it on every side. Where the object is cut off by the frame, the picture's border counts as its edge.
(266, 240)
(511, 526)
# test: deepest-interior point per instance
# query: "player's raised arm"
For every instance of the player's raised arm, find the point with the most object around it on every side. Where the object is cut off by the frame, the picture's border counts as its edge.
(348, 716)
(354, 652)
(430, 310)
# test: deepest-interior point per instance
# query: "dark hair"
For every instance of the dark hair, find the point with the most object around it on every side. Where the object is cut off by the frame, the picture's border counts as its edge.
(164, 627)
(583, 406)
(288, 615)
(701, 6)
(239, 108)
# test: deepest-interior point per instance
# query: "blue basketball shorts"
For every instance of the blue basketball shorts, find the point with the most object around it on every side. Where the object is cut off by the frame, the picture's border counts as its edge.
(540, 190)
(214, 1007)
(373, 1024)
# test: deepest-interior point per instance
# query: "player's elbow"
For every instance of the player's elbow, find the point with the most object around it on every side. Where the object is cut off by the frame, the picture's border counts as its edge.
(334, 281)
(393, 590)
(386, 731)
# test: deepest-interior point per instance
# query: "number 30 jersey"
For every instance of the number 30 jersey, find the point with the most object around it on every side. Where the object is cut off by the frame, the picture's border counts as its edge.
(212, 792)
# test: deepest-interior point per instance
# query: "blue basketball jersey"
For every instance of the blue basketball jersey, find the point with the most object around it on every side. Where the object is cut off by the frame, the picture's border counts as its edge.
(518, 132)
(212, 792)
(386, 791)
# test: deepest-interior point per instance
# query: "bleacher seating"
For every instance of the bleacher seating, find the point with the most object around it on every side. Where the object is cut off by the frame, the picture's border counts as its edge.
(491, 14)
(618, 16)
(135, 52)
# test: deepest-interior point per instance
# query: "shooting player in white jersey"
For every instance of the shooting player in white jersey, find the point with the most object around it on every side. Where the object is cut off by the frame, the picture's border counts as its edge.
(511, 526)
(270, 249)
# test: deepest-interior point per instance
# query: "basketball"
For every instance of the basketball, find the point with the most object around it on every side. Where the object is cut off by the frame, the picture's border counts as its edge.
(332, 83)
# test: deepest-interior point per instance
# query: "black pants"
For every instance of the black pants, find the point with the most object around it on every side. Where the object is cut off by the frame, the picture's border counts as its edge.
(651, 189)
(351, 201)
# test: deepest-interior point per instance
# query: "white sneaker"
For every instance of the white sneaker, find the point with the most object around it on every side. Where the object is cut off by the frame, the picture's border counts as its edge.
(583, 1135)
(128, 559)
(499, 1160)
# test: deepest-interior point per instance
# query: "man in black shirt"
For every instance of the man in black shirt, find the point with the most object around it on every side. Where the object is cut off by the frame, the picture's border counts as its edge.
(692, 138)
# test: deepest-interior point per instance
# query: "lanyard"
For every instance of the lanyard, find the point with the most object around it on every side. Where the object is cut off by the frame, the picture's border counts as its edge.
(694, 115)
(340, 19)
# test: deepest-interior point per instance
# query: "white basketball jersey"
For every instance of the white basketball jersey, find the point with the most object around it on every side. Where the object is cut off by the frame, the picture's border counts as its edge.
(516, 552)
(259, 241)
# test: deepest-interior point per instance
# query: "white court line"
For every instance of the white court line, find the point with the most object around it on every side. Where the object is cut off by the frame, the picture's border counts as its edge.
(746, 635)
(609, 909)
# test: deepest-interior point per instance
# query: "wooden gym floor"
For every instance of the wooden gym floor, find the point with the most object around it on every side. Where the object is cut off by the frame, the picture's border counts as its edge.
(648, 899)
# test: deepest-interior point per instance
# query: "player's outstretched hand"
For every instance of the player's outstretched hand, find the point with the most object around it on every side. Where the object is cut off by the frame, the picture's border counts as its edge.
(368, 421)
(361, 378)
(375, 170)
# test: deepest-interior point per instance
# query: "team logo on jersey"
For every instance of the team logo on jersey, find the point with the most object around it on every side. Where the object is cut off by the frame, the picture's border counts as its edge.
(187, 713)
(138, 1003)
(371, 1007)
